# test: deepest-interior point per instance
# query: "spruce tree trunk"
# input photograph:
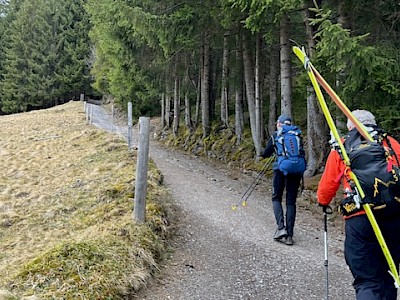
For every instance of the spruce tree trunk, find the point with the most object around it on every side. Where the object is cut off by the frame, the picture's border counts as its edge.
(198, 96)
(286, 72)
(177, 105)
(212, 83)
(317, 129)
(250, 94)
(168, 105)
(239, 122)
(343, 17)
(162, 110)
(205, 91)
(273, 89)
(224, 80)
(188, 122)
(257, 94)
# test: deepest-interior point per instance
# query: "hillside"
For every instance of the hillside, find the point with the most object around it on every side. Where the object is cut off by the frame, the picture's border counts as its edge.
(66, 199)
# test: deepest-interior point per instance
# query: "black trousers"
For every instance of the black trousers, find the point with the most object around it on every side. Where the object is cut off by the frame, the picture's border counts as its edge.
(366, 260)
(291, 182)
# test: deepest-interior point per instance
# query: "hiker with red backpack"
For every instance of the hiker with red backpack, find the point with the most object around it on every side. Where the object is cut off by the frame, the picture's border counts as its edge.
(376, 166)
(288, 171)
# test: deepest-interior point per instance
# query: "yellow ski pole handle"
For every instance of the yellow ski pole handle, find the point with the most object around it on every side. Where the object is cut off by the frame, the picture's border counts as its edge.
(312, 72)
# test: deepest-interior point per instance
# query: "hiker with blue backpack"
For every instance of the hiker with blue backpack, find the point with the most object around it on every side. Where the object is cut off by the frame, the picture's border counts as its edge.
(376, 166)
(286, 143)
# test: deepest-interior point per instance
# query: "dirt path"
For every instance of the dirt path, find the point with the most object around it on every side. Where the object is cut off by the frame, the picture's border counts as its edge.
(225, 255)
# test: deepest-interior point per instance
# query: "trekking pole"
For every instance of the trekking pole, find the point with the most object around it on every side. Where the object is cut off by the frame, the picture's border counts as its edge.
(327, 211)
(253, 185)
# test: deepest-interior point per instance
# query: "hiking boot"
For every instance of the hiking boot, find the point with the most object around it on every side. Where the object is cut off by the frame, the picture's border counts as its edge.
(289, 241)
(280, 233)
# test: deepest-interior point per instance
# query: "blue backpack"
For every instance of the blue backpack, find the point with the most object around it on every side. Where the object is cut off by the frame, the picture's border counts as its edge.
(289, 149)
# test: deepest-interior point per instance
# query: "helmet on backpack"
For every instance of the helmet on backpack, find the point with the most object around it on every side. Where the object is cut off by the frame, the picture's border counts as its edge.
(364, 117)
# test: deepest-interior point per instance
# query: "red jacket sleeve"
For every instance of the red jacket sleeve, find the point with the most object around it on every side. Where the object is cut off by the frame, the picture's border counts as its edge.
(331, 178)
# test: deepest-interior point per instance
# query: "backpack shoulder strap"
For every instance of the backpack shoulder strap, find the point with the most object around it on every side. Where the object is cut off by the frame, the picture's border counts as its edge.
(278, 143)
(392, 153)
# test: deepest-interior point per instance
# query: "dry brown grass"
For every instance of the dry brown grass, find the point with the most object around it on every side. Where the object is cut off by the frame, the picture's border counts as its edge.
(66, 199)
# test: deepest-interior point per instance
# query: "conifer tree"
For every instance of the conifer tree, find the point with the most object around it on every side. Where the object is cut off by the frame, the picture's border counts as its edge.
(45, 54)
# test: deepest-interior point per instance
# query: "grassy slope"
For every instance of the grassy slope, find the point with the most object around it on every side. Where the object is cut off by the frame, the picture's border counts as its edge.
(66, 199)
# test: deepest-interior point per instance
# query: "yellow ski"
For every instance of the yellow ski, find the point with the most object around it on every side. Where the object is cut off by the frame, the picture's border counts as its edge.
(316, 80)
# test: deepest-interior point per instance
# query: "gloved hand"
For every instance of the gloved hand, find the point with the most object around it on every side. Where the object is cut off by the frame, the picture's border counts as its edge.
(325, 208)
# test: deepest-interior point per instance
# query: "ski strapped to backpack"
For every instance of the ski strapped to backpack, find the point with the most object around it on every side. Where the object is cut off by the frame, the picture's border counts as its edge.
(290, 151)
(376, 167)
(317, 79)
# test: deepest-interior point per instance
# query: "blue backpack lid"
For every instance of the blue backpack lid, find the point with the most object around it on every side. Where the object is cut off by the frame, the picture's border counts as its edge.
(286, 128)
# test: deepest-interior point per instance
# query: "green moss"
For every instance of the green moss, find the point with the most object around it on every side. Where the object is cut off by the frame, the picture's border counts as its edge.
(220, 144)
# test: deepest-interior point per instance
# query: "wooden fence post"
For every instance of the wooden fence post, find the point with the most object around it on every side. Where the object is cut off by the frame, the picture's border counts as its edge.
(91, 114)
(112, 117)
(130, 123)
(141, 170)
(87, 107)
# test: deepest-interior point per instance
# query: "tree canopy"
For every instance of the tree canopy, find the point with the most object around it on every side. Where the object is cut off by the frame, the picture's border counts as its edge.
(44, 53)
(226, 62)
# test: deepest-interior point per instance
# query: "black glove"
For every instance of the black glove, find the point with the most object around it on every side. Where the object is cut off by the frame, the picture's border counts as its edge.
(326, 208)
